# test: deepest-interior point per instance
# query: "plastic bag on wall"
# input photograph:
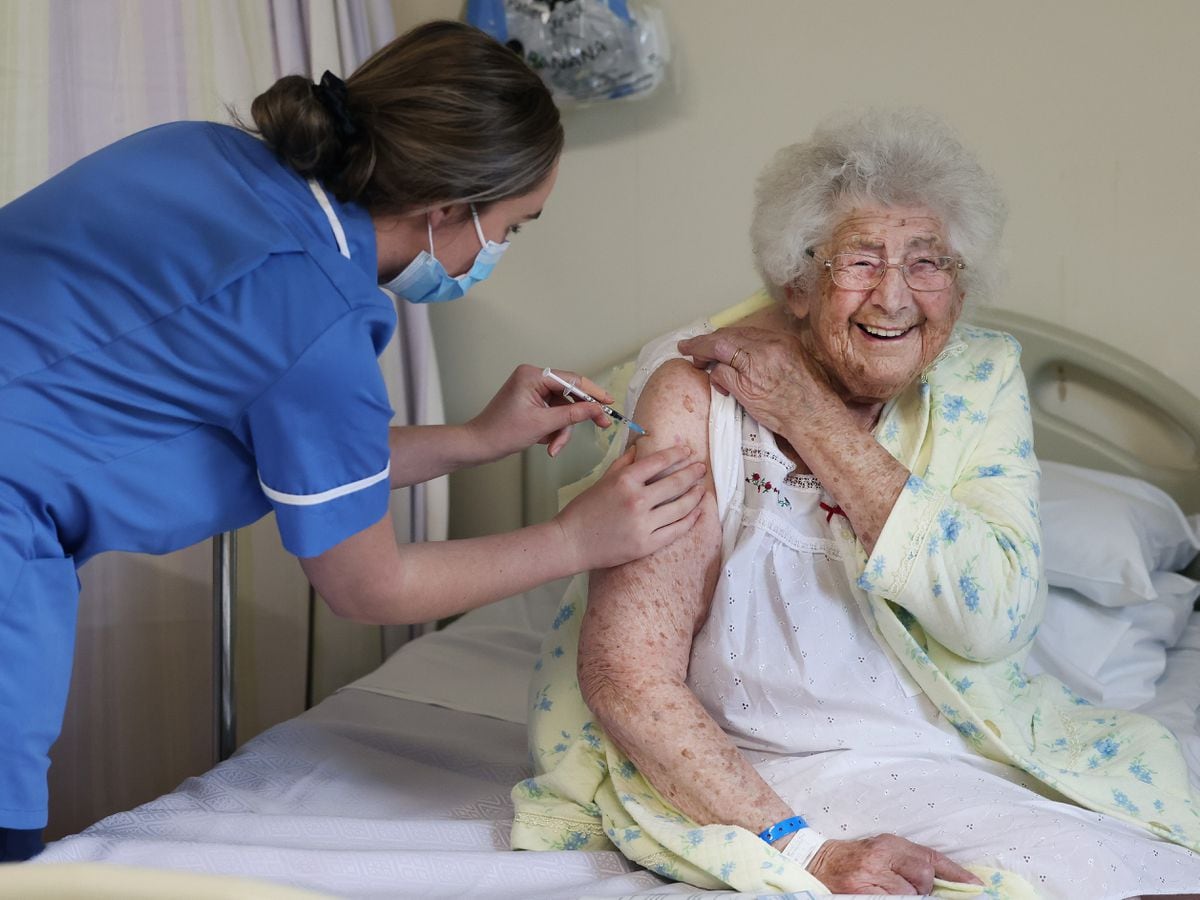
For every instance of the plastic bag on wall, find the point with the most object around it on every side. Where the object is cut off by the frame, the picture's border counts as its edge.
(585, 50)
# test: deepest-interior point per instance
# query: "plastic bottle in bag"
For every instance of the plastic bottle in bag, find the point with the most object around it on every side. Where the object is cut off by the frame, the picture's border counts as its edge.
(585, 50)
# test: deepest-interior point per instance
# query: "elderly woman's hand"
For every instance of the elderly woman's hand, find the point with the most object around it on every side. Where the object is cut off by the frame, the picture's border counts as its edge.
(767, 371)
(884, 864)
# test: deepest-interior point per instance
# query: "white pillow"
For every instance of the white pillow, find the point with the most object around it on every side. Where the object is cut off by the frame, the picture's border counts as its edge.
(1112, 656)
(1104, 534)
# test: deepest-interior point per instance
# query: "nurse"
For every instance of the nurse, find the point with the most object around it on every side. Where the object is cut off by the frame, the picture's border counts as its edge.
(189, 326)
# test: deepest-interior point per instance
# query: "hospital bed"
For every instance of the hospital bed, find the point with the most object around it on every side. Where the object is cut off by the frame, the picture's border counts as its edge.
(398, 785)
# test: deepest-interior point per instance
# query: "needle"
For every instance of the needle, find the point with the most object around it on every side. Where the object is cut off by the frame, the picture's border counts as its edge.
(570, 391)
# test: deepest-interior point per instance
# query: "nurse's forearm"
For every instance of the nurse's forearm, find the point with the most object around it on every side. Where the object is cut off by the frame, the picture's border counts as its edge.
(368, 578)
(422, 452)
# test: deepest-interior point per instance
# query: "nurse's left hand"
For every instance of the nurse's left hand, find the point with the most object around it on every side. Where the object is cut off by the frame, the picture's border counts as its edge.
(530, 409)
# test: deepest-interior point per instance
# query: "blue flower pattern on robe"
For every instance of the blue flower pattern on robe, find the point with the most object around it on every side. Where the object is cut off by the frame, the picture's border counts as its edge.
(563, 615)
(953, 406)
(950, 525)
(969, 588)
(981, 371)
(877, 567)
(1141, 772)
(1022, 449)
(1123, 801)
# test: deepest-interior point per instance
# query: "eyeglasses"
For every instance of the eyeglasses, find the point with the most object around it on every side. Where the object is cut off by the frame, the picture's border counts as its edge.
(864, 272)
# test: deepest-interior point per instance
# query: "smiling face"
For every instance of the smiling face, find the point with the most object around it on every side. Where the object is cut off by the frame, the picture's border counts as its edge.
(873, 343)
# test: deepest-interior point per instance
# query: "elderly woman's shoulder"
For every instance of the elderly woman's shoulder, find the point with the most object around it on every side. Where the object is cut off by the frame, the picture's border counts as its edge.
(979, 355)
(673, 408)
(988, 339)
(980, 341)
(686, 386)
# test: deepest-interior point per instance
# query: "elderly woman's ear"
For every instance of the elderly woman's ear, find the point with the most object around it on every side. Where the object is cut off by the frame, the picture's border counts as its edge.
(796, 300)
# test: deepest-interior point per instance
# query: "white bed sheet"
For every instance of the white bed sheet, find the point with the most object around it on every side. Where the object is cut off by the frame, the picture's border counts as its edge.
(363, 796)
(398, 786)
(1177, 696)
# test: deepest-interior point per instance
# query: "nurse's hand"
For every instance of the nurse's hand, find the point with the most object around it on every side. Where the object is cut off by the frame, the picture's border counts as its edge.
(884, 864)
(530, 409)
(636, 508)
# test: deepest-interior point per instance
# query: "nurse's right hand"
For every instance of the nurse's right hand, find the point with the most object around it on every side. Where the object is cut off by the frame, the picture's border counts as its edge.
(637, 507)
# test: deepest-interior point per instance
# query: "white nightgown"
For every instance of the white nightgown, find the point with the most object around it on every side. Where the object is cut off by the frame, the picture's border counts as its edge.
(787, 665)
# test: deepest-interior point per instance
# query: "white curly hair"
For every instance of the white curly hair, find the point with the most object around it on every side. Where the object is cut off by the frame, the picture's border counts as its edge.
(896, 157)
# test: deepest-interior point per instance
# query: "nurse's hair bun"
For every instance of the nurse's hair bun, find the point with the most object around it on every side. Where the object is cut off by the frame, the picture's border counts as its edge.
(442, 115)
(301, 130)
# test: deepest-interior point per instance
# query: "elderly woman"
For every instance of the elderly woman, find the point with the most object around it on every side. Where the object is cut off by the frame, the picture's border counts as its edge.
(865, 574)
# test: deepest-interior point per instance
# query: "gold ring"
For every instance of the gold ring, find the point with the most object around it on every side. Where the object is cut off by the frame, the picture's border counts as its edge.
(733, 359)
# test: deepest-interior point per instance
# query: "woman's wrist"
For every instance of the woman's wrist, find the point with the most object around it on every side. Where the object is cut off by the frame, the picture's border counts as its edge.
(568, 545)
(803, 846)
(469, 446)
(794, 838)
(558, 551)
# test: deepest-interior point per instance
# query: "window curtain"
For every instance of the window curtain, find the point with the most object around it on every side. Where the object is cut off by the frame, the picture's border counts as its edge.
(76, 75)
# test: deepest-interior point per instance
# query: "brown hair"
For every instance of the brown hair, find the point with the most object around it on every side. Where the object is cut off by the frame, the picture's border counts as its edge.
(442, 114)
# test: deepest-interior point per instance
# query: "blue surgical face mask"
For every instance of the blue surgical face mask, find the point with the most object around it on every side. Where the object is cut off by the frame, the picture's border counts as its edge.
(425, 280)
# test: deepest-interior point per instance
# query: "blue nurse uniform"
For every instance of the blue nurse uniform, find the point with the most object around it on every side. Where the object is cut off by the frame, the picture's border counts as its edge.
(188, 339)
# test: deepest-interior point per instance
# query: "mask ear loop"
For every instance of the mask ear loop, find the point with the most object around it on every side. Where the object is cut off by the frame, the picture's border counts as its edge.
(478, 228)
(429, 228)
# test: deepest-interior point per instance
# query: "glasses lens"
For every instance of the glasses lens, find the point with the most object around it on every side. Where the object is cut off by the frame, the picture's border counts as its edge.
(856, 271)
(930, 273)
(862, 271)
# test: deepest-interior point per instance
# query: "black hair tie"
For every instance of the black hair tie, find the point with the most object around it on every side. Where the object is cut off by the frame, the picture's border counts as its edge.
(331, 92)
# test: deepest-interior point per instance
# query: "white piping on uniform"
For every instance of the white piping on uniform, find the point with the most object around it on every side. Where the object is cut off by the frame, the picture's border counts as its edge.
(326, 207)
(324, 496)
(339, 235)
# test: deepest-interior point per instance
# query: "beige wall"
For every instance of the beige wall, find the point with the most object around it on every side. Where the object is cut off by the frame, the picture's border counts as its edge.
(1084, 109)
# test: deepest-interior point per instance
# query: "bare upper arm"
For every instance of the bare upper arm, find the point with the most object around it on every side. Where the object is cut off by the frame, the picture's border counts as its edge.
(642, 616)
(357, 575)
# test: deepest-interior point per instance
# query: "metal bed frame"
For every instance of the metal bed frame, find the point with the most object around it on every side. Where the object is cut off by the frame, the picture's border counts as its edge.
(224, 586)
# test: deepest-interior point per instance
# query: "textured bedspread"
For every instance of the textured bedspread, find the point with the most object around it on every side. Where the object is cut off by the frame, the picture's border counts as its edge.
(363, 796)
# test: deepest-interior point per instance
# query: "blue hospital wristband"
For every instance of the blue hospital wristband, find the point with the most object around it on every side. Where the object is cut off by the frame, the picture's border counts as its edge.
(782, 829)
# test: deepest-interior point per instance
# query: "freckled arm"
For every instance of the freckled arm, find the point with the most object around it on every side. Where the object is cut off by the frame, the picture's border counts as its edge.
(636, 642)
(852, 465)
